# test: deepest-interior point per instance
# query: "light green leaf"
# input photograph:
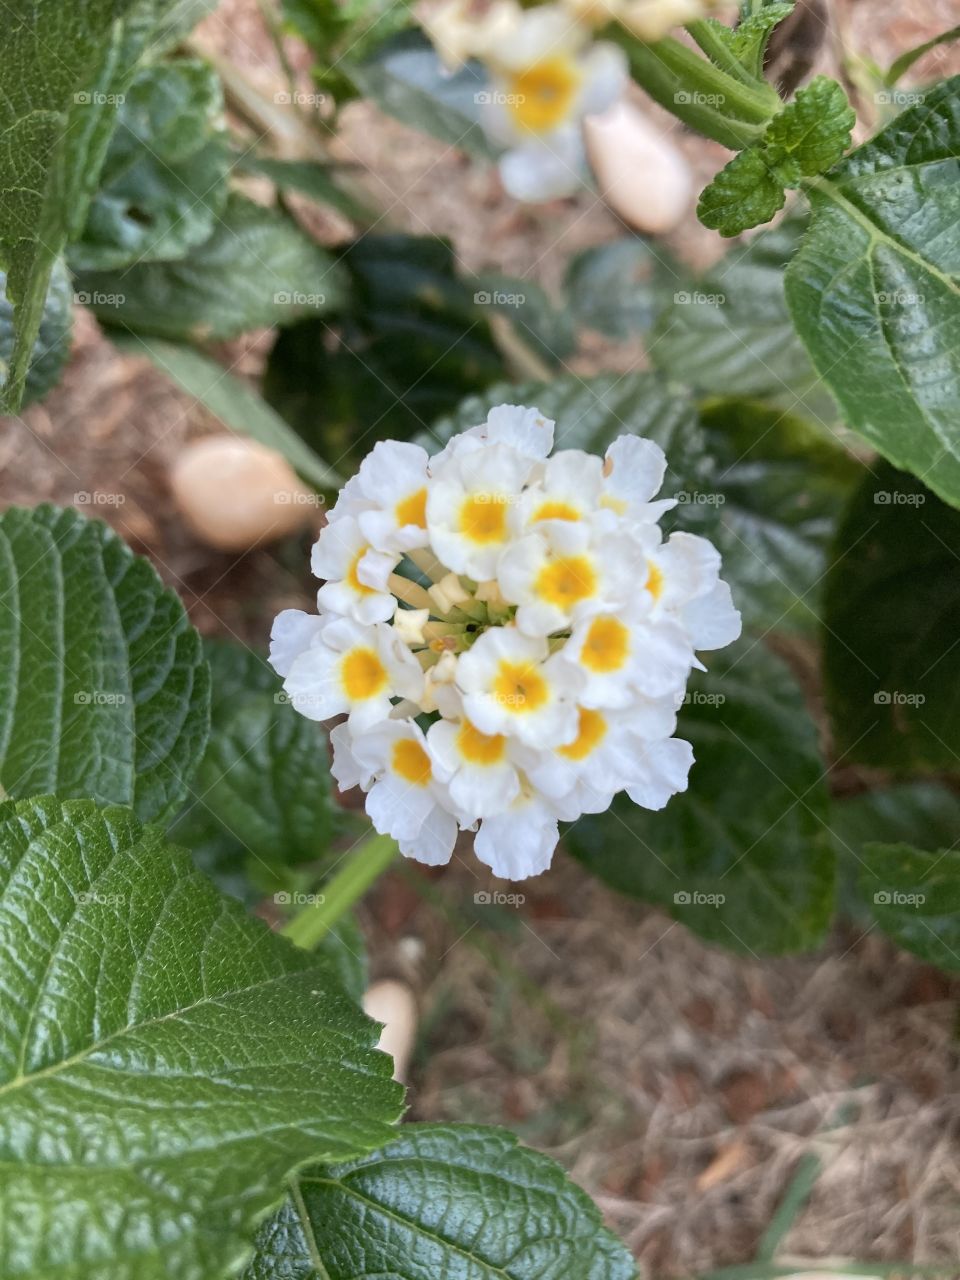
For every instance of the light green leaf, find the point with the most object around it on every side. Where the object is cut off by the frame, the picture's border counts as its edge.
(263, 788)
(915, 897)
(741, 857)
(874, 289)
(406, 78)
(730, 332)
(778, 493)
(457, 1201)
(164, 180)
(106, 691)
(748, 39)
(892, 613)
(257, 269)
(809, 135)
(310, 178)
(165, 1061)
(232, 400)
(52, 346)
(619, 289)
(746, 192)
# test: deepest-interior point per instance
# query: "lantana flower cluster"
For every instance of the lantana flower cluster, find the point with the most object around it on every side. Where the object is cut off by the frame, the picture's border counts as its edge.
(508, 634)
(546, 73)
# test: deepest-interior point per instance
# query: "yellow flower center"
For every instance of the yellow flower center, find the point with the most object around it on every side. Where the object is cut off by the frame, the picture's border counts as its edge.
(480, 748)
(483, 518)
(412, 510)
(411, 762)
(543, 95)
(352, 577)
(654, 580)
(553, 509)
(592, 731)
(612, 503)
(363, 674)
(520, 687)
(566, 581)
(606, 647)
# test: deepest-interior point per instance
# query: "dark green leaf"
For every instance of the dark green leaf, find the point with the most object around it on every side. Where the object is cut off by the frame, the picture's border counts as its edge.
(309, 178)
(165, 1061)
(456, 1201)
(344, 946)
(915, 897)
(257, 269)
(874, 291)
(778, 494)
(730, 333)
(414, 344)
(892, 612)
(164, 180)
(232, 400)
(619, 289)
(52, 346)
(106, 691)
(340, 34)
(263, 788)
(742, 856)
(540, 325)
(406, 79)
(919, 813)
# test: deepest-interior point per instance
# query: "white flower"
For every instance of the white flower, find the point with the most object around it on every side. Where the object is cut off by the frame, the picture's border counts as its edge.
(647, 19)
(462, 29)
(353, 669)
(511, 685)
(544, 80)
(356, 575)
(472, 507)
(530, 664)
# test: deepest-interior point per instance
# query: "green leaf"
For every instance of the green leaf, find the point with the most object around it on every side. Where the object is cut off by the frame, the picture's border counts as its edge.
(340, 33)
(809, 135)
(730, 333)
(164, 180)
(52, 346)
(51, 66)
(778, 494)
(892, 613)
(309, 178)
(746, 192)
(874, 290)
(106, 691)
(915, 897)
(407, 80)
(233, 401)
(620, 288)
(457, 1201)
(344, 947)
(748, 39)
(165, 1061)
(263, 789)
(919, 813)
(539, 324)
(257, 269)
(741, 857)
(413, 345)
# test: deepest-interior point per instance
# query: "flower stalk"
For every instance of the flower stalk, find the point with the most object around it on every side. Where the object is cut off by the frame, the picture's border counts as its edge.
(364, 865)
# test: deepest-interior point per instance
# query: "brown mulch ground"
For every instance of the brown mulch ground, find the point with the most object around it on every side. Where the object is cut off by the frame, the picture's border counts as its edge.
(681, 1085)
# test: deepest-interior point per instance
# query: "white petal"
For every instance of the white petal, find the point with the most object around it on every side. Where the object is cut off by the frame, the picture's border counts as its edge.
(661, 773)
(635, 468)
(293, 631)
(345, 766)
(398, 808)
(433, 844)
(712, 621)
(606, 75)
(518, 843)
(547, 169)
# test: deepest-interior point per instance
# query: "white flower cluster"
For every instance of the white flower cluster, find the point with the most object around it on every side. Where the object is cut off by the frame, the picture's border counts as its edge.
(546, 74)
(508, 634)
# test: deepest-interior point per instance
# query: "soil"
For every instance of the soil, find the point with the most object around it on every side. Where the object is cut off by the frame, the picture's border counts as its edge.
(686, 1099)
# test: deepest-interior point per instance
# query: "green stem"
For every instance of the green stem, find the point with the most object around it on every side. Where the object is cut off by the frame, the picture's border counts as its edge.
(718, 53)
(312, 923)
